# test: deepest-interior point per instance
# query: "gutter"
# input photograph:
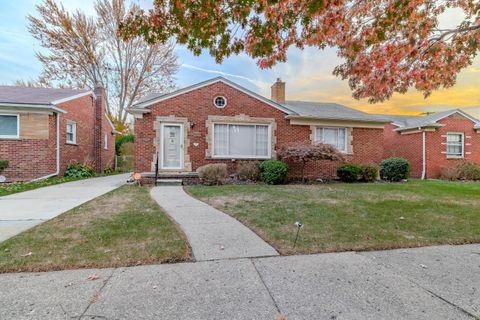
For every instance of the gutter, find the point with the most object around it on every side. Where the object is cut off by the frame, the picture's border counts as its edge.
(137, 110)
(424, 155)
(40, 107)
(434, 125)
(57, 172)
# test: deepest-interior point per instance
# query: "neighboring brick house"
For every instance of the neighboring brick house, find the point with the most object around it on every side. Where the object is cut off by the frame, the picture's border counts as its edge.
(434, 142)
(220, 121)
(43, 130)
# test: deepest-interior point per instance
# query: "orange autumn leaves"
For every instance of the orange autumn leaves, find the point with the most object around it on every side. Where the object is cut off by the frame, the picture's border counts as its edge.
(387, 46)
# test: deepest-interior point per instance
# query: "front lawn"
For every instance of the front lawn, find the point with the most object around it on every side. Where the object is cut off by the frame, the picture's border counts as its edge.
(339, 217)
(122, 228)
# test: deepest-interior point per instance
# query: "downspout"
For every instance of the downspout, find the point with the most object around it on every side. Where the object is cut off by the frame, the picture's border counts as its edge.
(57, 172)
(424, 154)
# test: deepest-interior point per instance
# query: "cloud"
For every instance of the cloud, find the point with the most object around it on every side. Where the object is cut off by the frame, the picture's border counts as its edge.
(308, 72)
(255, 82)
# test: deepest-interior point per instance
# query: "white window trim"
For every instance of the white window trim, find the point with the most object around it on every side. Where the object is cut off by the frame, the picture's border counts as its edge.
(219, 107)
(74, 127)
(452, 156)
(105, 141)
(269, 129)
(17, 136)
(323, 135)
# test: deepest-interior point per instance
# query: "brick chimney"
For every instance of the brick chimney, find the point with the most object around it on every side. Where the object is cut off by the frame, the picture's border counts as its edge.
(278, 91)
(100, 107)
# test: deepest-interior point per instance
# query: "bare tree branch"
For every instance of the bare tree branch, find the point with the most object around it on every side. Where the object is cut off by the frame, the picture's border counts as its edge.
(83, 51)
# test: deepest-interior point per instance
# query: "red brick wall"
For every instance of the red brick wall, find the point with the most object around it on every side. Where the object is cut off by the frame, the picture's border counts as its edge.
(104, 158)
(30, 158)
(436, 160)
(198, 105)
(81, 111)
(108, 155)
(410, 146)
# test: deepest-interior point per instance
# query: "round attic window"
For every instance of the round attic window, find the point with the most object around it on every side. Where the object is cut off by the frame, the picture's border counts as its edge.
(220, 102)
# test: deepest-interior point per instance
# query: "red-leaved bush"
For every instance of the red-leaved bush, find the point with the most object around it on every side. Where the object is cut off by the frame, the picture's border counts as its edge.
(303, 153)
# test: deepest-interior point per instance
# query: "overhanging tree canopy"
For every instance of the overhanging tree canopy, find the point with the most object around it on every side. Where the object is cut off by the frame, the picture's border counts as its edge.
(388, 45)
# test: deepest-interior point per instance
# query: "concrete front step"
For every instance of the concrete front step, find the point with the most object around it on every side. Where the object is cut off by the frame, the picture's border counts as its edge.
(187, 178)
(169, 182)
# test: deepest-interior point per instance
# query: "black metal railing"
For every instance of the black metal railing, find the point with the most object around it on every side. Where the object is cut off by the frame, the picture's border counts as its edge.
(156, 170)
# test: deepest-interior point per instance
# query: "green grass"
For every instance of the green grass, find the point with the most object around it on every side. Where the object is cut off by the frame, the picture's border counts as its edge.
(122, 228)
(10, 188)
(340, 217)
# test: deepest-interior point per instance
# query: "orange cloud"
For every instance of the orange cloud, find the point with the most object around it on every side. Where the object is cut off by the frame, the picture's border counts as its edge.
(465, 94)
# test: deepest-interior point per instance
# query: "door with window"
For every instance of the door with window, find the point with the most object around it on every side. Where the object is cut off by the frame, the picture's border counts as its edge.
(171, 146)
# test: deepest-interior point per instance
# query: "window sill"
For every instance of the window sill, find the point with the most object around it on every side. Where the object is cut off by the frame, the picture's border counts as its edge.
(71, 144)
(239, 158)
(455, 157)
(10, 138)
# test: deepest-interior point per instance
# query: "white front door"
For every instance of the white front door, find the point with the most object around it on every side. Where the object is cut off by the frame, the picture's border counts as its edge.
(171, 146)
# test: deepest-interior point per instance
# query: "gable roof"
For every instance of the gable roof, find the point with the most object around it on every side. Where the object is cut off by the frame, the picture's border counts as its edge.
(38, 96)
(142, 105)
(331, 111)
(414, 122)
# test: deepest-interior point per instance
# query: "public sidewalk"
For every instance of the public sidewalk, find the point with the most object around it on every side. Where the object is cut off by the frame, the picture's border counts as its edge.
(425, 283)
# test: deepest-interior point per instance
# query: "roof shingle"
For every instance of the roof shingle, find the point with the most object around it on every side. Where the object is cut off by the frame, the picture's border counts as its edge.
(35, 96)
(333, 111)
(411, 122)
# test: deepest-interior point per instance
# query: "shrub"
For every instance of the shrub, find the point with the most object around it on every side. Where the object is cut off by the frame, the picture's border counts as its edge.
(394, 169)
(127, 149)
(274, 171)
(108, 170)
(303, 153)
(3, 165)
(449, 174)
(249, 171)
(369, 172)
(213, 174)
(78, 170)
(468, 171)
(120, 140)
(349, 173)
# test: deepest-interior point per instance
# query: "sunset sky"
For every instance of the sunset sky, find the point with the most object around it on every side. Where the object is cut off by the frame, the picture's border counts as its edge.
(308, 73)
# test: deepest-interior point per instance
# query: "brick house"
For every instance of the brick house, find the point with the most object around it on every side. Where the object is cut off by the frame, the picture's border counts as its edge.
(434, 142)
(42, 130)
(218, 121)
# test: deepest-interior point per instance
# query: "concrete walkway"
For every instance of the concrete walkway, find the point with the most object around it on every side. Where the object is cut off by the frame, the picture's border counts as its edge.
(21, 211)
(425, 283)
(211, 233)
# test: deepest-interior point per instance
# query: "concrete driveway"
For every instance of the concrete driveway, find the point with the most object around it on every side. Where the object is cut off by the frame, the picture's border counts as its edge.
(426, 283)
(21, 211)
